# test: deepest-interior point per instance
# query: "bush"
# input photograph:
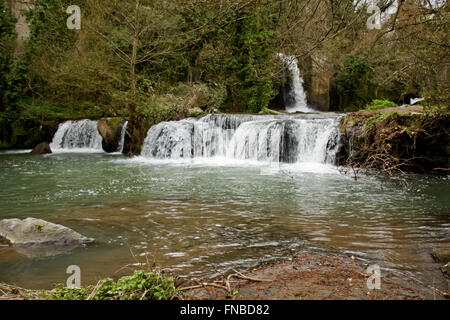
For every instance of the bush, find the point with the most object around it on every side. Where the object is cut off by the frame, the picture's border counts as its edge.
(141, 285)
(380, 104)
(219, 97)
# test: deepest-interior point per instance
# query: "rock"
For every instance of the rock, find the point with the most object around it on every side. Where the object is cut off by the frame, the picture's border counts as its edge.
(33, 232)
(111, 131)
(195, 112)
(267, 111)
(441, 255)
(446, 269)
(42, 148)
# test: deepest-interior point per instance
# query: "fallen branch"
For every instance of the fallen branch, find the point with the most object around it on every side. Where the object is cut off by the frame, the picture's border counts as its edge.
(203, 285)
(225, 284)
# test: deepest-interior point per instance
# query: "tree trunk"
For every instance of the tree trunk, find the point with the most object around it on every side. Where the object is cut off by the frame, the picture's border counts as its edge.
(135, 125)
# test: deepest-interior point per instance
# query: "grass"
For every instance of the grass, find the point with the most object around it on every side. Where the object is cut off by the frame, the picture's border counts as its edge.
(379, 104)
(372, 121)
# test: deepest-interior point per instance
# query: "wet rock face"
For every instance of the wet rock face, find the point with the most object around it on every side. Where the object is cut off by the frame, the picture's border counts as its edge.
(111, 131)
(33, 232)
(289, 148)
(42, 148)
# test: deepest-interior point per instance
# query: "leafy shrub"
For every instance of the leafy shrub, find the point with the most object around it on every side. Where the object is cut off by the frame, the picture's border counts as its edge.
(64, 293)
(380, 104)
(353, 80)
(141, 285)
(219, 97)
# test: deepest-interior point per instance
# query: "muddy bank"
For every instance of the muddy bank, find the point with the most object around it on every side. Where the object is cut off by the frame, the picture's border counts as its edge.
(305, 276)
(313, 276)
(396, 140)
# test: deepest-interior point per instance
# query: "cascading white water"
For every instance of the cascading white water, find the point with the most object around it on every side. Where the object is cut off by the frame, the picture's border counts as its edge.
(122, 137)
(79, 135)
(280, 139)
(297, 93)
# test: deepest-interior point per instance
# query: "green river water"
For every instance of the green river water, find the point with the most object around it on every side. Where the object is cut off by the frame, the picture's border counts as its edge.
(195, 219)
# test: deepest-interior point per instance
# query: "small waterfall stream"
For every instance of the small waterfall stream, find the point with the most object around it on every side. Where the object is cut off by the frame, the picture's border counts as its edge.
(122, 137)
(81, 135)
(297, 94)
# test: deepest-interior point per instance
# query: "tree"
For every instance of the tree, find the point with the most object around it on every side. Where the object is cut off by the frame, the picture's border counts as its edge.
(7, 38)
(139, 32)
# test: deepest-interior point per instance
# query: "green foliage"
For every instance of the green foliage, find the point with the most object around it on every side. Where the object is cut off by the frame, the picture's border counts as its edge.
(433, 109)
(153, 114)
(380, 104)
(219, 97)
(7, 37)
(196, 112)
(354, 80)
(372, 121)
(141, 285)
(228, 49)
(251, 53)
(64, 293)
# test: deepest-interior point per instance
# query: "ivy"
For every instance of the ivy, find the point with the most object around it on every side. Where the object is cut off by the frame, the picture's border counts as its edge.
(7, 37)
(248, 64)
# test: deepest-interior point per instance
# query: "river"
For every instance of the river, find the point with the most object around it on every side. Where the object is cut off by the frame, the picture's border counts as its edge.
(199, 217)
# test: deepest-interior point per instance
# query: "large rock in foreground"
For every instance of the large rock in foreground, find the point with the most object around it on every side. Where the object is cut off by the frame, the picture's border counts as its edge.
(36, 232)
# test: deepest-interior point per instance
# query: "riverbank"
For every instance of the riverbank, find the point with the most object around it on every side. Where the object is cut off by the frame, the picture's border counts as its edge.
(396, 140)
(304, 276)
(315, 276)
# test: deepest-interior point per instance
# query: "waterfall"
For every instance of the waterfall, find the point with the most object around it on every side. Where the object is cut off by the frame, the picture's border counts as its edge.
(280, 139)
(297, 93)
(79, 135)
(122, 137)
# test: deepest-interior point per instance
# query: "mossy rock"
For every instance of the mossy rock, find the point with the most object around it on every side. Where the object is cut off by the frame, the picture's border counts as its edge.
(195, 112)
(269, 112)
(33, 232)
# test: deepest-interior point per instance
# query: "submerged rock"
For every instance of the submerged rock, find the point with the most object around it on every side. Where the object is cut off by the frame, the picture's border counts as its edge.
(42, 148)
(441, 255)
(32, 232)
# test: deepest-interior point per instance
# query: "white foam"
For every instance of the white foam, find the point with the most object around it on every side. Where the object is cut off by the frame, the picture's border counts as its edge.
(298, 91)
(77, 136)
